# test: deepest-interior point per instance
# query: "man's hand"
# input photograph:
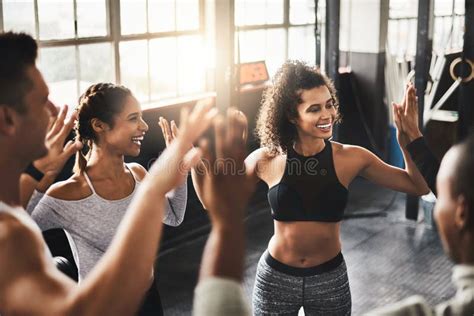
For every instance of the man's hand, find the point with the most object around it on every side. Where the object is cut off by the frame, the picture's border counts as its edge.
(225, 188)
(58, 153)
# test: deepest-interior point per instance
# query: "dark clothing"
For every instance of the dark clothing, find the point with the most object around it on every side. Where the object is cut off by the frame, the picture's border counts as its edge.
(425, 161)
(309, 189)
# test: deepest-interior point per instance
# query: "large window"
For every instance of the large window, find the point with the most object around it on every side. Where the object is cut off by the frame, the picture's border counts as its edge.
(84, 42)
(276, 30)
(158, 48)
(447, 30)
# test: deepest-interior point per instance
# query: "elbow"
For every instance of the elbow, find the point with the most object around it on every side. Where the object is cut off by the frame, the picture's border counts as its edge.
(421, 191)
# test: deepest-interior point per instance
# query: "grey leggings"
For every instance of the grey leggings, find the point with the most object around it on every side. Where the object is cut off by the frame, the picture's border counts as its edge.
(282, 290)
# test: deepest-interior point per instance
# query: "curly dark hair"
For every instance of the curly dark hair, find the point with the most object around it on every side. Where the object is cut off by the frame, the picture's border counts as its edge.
(279, 102)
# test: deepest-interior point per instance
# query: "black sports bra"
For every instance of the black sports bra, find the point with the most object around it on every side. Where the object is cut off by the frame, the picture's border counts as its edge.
(309, 189)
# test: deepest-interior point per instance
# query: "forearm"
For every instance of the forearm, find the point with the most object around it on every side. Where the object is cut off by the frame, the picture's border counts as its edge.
(419, 185)
(425, 161)
(224, 252)
(175, 207)
(34, 201)
(28, 185)
(196, 175)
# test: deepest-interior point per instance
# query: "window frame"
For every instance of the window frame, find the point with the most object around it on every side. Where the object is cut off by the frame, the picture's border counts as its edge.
(114, 37)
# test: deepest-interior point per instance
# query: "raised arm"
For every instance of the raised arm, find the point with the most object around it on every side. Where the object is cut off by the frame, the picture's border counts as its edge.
(52, 164)
(225, 192)
(117, 284)
(406, 115)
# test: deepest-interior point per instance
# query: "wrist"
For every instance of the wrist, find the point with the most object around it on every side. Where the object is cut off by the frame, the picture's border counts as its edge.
(415, 134)
(34, 172)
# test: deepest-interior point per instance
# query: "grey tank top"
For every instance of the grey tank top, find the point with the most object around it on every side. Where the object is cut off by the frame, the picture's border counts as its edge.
(93, 220)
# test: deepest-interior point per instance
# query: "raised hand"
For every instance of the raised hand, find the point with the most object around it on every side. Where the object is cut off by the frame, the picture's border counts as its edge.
(406, 117)
(58, 152)
(170, 131)
(172, 167)
(225, 189)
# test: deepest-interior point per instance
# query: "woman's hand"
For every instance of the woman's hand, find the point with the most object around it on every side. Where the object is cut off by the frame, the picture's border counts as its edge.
(406, 117)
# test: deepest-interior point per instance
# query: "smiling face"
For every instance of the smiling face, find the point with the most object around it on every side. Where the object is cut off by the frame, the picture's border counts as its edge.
(316, 113)
(126, 135)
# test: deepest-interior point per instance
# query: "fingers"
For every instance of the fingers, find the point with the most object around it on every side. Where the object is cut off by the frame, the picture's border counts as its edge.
(206, 151)
(174, 129)
(191, 159)
(396, 115)
(220, 137)
(193, 124)
(58, 122)
(165, 129)
(71, 148)
(67, 128)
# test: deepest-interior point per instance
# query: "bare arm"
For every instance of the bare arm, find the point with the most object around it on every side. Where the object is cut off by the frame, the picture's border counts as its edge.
(58, 154)
(408, 180)
(116, 285)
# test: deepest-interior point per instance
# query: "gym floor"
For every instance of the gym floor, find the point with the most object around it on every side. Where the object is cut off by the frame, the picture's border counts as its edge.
(388, 257)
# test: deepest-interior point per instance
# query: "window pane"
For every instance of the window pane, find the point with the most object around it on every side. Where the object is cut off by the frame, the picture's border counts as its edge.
(56, 19)
(58, 65)
(268, 45)
(19, 16)
(96, 64)
(443, 7)
(301, 11)
(258, 12)
(191, 75)
(301, 44)
(252, 45)
(250, 12)
(274, 12)
(133, 16)
(134, 67)
(163, 68)
(276, 50)
(403, 8)
(161, 15)
(187, 13)
(91, 18)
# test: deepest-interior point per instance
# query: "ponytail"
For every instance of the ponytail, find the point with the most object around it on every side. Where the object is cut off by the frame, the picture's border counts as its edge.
(81, 159)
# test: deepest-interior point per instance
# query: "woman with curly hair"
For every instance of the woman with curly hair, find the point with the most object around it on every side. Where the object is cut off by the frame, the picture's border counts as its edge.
(308, 176)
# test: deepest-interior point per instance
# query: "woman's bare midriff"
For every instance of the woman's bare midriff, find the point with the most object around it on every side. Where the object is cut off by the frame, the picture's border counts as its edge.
(305, 244)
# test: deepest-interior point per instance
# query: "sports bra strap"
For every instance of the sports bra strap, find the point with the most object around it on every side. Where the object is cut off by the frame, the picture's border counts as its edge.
(89, 182)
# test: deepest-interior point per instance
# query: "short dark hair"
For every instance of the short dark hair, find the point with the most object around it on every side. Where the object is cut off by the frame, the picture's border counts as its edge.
(18, 51)
(462, 175)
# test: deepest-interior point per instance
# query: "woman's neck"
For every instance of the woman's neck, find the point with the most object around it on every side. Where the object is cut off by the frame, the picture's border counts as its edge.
(308, 146)
(105, 164)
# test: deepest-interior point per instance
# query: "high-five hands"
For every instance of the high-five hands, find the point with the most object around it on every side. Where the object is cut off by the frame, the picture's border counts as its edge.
(406, 117)
(172, 167)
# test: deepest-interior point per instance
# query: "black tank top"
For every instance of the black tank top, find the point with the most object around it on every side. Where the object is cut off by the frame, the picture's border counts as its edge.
(309, 189)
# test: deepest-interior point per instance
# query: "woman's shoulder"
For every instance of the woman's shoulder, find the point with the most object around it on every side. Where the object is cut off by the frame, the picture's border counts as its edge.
(138, 170)
(74, 188)
(352, 154)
